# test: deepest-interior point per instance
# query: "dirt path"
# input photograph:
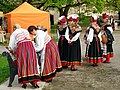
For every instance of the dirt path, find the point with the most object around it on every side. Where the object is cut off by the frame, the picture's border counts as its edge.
(103, 77)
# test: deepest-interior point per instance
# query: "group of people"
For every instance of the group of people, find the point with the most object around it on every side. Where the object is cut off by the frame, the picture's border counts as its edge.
(39, 58)
(98, 41)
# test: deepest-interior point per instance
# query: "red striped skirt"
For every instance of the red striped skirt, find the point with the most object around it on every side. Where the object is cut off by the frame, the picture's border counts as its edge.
(27, 63)
(52, 62)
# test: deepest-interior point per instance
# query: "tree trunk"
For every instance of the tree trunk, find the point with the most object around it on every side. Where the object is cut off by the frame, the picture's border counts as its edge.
(61, 11)
(66, 10)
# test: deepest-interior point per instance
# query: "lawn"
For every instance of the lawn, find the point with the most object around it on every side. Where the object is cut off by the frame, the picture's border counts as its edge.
(4, 69)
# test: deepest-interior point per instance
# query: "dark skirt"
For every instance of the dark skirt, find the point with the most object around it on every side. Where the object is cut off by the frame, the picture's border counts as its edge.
(94, 52)
(27, 63)
(74, 53)
(52, 62)
(63, 49)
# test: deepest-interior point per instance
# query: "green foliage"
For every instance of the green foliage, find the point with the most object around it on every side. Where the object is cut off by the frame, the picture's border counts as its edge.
(4, 69)
(7, 6)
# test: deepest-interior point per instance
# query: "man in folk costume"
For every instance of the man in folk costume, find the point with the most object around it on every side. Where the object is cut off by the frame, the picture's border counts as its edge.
(50, 59)
(72, 35)
(107, 46)
(21, 45)
(62, 43)
(93, 49)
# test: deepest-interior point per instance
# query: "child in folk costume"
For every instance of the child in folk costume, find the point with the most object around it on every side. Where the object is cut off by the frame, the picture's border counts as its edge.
(72, 35)
(62, 43)
(20, 43)
(107, 46)
(93, 49)
(50, 59)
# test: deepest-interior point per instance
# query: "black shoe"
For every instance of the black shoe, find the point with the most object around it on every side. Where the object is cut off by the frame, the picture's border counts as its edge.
(64, 66)
(32, 83)
(24, 86)
(94, 65)
(37, 85)
(49, 81)
(106, 62)
(73, 69)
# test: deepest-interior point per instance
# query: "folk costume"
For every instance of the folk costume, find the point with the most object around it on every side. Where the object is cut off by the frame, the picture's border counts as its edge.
(21, 44)
(107, 31)
(50, 59)
(62, 43)
(72, 35)
(93, 49)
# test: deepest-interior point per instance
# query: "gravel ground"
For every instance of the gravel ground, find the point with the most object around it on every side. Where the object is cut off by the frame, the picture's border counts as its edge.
(103, 77)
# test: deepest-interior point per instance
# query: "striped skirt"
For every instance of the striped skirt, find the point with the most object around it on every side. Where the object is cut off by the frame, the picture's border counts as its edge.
(52, 62)
(27, 63)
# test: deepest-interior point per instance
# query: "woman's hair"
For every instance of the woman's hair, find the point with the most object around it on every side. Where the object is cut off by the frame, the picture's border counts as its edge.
(31, 28)
(16, 26)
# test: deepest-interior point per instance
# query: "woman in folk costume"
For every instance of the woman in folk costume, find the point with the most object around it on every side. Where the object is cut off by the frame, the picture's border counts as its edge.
(50, 59)
(62, 43)
(107, 46)
(72, 35)
(93, 49)
(23, 48)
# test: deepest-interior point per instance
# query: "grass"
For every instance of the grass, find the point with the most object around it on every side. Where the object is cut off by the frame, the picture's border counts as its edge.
(4, 69)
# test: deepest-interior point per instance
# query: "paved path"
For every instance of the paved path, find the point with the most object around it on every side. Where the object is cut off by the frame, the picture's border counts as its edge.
(15, 84)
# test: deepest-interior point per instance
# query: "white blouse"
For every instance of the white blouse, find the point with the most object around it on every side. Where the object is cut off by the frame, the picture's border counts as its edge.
(41, 39)
(74, 38)
(17, 36)
(91, 35)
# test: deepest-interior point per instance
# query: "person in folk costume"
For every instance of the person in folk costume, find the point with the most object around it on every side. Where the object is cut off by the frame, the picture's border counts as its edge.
(72, 35)
(107, 31)
(112, 22)
(93, 49)
(22, 47)
(62, 43)
(50, 59)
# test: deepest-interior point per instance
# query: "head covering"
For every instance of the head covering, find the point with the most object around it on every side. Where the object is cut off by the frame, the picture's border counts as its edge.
(17, 26)
(105, 16)
(69, 17)
(62, 20)
(73, 17)
(94, 18)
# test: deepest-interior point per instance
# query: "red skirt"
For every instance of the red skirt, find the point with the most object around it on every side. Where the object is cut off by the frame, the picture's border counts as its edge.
(27, 63)
(52, 62)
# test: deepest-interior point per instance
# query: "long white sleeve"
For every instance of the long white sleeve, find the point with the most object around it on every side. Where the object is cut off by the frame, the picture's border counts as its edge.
(75, 37)
(67, 34)
(12, 45)
(99, 35)
(58, 34)
(110, 28)
(90, 35)
(39, 41)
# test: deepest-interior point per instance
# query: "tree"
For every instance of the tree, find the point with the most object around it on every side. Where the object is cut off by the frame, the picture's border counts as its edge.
(8, 5)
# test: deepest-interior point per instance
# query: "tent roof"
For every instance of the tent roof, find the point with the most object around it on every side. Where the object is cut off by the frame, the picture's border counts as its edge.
(26, 8)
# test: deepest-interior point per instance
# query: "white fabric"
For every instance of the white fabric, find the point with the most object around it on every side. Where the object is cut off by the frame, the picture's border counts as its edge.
(90, 35)
(67, 34)
(58, 34)
(110, 28)
(39, 40)
(60, 18)
(99, 35)
(16, 36)
(74, 38)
